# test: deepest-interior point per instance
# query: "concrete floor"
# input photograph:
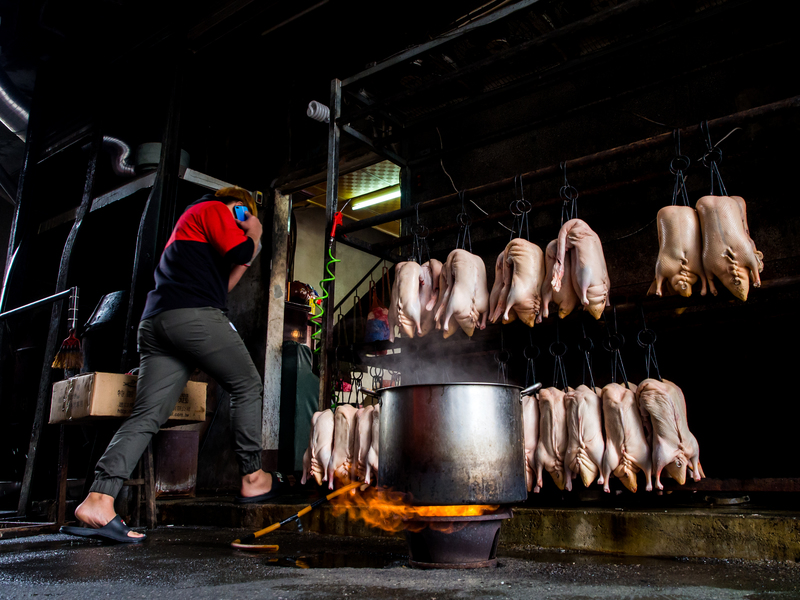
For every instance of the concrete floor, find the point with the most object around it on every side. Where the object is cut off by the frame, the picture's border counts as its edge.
(196, 563)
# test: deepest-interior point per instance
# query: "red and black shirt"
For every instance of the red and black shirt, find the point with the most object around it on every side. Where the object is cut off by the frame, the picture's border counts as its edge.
(195, 266)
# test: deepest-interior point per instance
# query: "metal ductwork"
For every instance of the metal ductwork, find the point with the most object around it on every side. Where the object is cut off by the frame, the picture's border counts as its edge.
(14, 113)
(13, 107)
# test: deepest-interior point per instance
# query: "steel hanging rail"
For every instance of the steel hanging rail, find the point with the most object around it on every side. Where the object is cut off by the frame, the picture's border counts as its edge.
(582, 162)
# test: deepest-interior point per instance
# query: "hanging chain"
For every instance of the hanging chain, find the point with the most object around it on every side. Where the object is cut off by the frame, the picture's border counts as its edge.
(419, 247)
(356, 377)
(385, 284)
(586, 346)
(531, 353)
(396, 378)
(342, 329)
(356, 315)
(377, 377)
(677, 166)
(646, 338)
(336, 380)
(558, 349)
(711, 159)
(569, 196)
(502, 357)
(463, 221)
(613, 344)
(520, 208)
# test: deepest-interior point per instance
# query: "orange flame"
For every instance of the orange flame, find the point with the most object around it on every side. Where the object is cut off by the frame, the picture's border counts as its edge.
(390, 511)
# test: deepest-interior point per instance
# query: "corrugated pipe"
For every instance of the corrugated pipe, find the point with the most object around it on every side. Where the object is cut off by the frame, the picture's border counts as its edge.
(13, 107)
(14, 114)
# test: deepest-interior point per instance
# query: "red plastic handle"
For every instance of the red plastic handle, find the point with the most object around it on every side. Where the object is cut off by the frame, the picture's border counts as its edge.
(337, 220)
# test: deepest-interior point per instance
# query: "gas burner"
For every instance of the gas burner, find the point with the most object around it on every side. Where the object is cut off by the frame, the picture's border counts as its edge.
(455, 542)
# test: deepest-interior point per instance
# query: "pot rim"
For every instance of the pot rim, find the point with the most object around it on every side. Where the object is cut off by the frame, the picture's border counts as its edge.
(457, 383)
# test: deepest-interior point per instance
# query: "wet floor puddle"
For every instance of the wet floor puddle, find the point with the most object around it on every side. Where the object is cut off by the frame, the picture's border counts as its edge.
(330, 560)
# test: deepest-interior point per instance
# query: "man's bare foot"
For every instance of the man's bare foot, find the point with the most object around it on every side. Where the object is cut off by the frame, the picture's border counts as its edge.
(256, 483)
(97, 510)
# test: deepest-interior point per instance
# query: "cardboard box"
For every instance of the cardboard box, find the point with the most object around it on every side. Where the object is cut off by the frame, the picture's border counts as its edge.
(93, 396)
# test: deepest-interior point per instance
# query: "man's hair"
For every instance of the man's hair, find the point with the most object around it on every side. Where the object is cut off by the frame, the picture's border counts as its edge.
(232, 194)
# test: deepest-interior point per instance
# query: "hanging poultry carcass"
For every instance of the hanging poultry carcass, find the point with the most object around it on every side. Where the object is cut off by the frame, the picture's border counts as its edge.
(363, 441)
(627, 451)
(320, 446)
(497, 297)
(405, 310)
(552, 444)
(428, 294)
(566, 299)
(662, 404)
(585, 445)
(530, 430)
(729, 253)
(344, 438)
(589, 272)
(465, 296)
(374, 446)
(523, 273)
(680, 261)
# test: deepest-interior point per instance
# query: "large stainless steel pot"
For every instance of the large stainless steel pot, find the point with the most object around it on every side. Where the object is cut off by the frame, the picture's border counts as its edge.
(455, 443)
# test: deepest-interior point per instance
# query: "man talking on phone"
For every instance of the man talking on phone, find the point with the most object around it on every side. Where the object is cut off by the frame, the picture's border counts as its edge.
(184, 326)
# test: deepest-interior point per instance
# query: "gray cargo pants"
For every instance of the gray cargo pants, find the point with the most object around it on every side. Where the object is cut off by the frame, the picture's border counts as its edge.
(171, 345)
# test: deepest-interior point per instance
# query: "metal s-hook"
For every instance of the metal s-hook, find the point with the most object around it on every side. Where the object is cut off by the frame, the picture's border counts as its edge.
(711, 159)
(569, 195)
(677, 166)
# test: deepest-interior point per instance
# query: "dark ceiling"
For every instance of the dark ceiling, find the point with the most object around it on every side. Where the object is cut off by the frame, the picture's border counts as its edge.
(277, 50)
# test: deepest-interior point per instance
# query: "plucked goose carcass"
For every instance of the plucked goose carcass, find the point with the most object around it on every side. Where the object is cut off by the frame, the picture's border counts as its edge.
(363, 441)
(585, 445)
(405, 310)
(566, 299)
(497, 297)
(465, 296)
(674, 446)
(321, 445)
(530, 430)
(680, 260)
(374, 446)
(552, 444)
(729, 253)
(523, 273)
(589, 272)
(307, 455)
(428, 294)
(627, 451)
(344, 439)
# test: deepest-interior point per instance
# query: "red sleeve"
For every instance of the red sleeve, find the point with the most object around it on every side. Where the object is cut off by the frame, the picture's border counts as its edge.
(220, 228)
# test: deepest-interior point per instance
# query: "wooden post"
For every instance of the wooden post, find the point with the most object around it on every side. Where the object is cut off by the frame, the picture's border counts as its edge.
(331, 204)
(63, 463)
(45, 384)
(273, 362)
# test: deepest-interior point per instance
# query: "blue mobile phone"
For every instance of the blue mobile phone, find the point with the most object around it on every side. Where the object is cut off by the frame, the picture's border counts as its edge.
(240, 212)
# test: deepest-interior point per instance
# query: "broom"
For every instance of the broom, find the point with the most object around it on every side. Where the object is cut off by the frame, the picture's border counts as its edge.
(70, 356)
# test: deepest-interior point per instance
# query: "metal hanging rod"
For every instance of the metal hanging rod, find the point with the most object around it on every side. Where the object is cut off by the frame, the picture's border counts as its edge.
(48, 300)
(582, 162)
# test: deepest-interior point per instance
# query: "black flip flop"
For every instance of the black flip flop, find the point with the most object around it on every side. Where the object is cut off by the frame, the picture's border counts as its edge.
(114, 531)
(278, 485)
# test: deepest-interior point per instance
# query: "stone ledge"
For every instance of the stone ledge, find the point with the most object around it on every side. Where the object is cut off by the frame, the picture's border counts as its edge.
(725, 533)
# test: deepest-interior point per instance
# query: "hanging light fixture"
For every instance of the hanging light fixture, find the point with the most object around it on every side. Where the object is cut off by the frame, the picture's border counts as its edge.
(376, 197)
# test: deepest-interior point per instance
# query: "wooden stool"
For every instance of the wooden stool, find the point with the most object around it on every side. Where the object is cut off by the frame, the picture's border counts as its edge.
(145, 482)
